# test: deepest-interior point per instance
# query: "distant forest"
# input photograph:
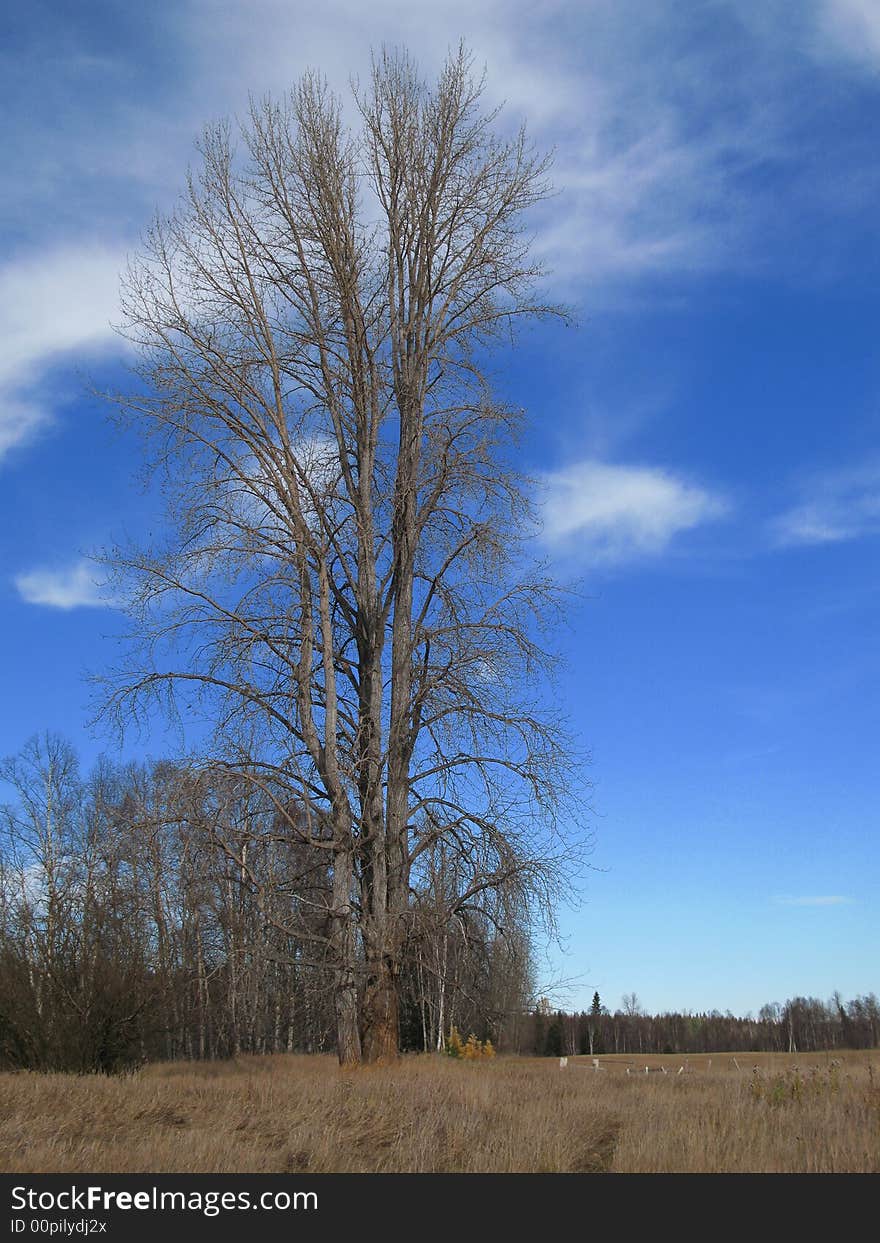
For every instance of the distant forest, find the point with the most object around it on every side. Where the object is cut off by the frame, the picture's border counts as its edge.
(799, 1025)
(152, 911)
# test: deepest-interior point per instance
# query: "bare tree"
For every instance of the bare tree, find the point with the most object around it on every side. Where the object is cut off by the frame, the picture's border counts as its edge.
(632, 1007)
(343, 589)
(74, 983)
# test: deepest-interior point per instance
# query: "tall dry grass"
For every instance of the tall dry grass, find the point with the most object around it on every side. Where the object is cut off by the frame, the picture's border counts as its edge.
(428, 1114)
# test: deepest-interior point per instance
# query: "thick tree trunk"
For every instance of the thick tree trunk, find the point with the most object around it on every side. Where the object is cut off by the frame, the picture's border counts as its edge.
(381, 1011)
(386, 893)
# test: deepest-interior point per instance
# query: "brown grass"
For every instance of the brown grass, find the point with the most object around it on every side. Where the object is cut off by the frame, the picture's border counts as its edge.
(427, 1114)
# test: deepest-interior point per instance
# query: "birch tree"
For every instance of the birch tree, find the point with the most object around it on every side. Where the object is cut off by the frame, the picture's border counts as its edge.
(341, 588)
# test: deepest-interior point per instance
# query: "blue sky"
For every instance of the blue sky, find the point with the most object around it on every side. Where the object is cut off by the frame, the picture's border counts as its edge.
(708, 436)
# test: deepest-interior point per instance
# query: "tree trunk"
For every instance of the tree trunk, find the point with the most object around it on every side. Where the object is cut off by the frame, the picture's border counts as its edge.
(381, 1031)
(348, 1042)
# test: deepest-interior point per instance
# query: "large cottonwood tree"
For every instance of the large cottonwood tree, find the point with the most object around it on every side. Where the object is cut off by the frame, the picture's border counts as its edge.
(342, 588)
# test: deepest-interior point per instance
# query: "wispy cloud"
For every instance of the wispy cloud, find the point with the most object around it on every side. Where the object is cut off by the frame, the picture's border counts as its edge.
(52, 305)
(851, 27)
(677, 139)
(614, 88)
(833, 899)
(606, 513)
(70, 587)
(653, 127)
(840, 506)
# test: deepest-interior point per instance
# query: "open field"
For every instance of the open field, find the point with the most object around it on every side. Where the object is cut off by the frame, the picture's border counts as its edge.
(783, 1113)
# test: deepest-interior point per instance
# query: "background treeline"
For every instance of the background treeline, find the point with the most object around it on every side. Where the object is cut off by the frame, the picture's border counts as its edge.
(800, 1025)
(153, 911)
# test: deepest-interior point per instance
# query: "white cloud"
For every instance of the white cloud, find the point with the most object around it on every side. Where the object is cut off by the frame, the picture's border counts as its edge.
(841, 506)
(610, 513)
(640, 193)
(52, 305)
(72, 587)
(255, 502)
(656, 133)
(21, 418)
(257, 499)
(833, 899)
(849, 26)
(678, 138)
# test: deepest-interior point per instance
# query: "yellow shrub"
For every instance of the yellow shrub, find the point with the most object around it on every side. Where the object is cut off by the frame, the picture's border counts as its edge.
(472, 1050)
(454, 1047)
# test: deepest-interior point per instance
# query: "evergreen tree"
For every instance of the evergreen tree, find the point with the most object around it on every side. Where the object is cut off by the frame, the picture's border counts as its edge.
(553, 1042)
(594, 1025)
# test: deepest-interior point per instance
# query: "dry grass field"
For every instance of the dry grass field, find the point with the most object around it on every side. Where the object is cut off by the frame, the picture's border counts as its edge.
(808, 1113)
